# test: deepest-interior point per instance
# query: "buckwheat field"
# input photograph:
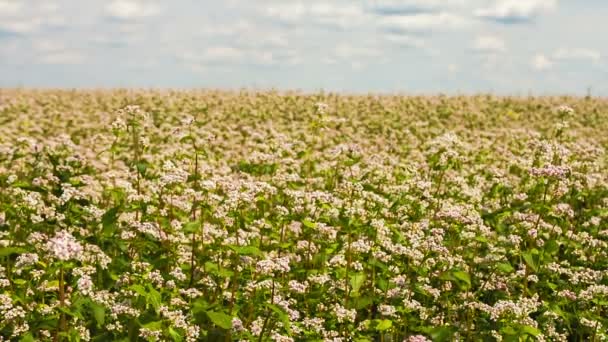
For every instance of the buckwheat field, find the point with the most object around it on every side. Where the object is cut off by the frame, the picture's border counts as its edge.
(263, 216)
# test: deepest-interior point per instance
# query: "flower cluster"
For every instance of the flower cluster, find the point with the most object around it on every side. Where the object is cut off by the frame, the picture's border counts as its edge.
(220, 216)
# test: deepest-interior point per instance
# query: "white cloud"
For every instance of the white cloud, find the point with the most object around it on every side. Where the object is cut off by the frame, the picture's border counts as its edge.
(130, 9)
(541, 62)
(348, 51)
(221, 54)
(326, 13)
(422, 22)
(229, 55)
(62, 57)
(9, 8)
(402, 7)
(404, 40)
(515, 10)
(489, 44)
(577, 54)
(20, 26)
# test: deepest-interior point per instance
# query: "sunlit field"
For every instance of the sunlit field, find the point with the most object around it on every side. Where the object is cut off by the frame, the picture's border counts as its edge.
(265, 216)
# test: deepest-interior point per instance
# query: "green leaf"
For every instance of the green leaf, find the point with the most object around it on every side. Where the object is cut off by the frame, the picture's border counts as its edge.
(192, 227)
(530, 330)
(99, 313)
(7, 251)
(505, 267)
(382, 284)
(282, 316)
(463, 277)
(529, 259)
(384, 324)
(155, 325)
(309, 224)
(140, 290)
(356, 281)
(27, 338)
(175, 335)
(246, 250)
(220, 319)
(441, 334)
(108, 222)
(142, 167)
(551, 247)
(154, 298)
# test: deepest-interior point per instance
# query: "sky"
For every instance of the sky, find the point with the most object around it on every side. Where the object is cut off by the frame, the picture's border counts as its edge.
(509, 47)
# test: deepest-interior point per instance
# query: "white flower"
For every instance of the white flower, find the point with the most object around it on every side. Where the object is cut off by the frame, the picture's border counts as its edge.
(64, 246)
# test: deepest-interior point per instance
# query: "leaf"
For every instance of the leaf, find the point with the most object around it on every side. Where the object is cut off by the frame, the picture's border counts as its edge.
(356, 281)
(154, 298)
(192, 227)
(220, 319)
(140, 290)
(463, 277)
(7, 251)
(200, 305)
(246, 250)
(108, 222)
(99, 313)
(142, 167)
(384, 324)
(309, 224)
(530, 330)
(382, 284)
(443, 333)
(505, 267)
(529, 259)
(27, 338)
(551, 247)
(175, 335)
(155, 325)
(282, 316)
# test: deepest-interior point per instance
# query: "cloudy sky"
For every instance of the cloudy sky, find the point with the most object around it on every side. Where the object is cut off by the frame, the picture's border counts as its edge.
(410, 46)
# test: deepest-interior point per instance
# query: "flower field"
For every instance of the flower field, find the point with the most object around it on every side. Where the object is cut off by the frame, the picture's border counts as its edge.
(133, 215)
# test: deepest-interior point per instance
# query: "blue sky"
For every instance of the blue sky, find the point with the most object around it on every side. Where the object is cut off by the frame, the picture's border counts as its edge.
(410, 46)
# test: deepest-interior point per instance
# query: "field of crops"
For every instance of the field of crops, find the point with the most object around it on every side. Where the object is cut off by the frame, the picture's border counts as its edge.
(218, 216)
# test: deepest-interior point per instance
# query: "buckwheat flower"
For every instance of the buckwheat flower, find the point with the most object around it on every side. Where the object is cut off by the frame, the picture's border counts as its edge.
(63, 246)
(85, 285)
(321, 107)
(178, 274)
(552, 171)
(237, 325)
(187, 120)
(150, 335)
(116, 326)
(25, 260)
(280, 338)
(565, 109)
(119, 124)
(344, 315)
(11, 179)
(417, 338)
(156, 278)
(83, 333)
(567, 294)
(387, 310)
(256, 326)
(297, 287)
